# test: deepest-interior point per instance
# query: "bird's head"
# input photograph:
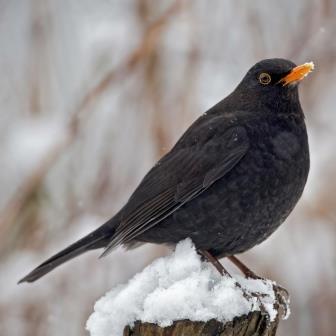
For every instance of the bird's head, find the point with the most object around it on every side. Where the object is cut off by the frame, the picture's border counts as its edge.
(271, 81)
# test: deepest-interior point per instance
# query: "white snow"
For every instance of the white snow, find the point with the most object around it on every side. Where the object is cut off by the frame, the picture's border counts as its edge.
(179, 286)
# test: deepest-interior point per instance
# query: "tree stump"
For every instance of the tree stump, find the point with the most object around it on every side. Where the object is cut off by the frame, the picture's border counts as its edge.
(256, 323)
(253, 324)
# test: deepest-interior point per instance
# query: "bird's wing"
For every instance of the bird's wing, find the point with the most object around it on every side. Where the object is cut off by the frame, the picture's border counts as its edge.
(198, 160)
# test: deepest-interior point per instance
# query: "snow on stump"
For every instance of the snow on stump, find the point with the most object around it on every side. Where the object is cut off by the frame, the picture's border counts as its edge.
(182, 295)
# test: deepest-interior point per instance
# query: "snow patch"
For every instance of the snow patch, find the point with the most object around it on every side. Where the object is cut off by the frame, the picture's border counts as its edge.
(179, 286)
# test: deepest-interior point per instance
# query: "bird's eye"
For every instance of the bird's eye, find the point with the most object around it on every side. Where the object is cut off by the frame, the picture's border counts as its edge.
(264, 78)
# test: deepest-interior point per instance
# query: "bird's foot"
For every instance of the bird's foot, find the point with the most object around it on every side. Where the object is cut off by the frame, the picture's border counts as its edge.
(281, 301)
(254, 297)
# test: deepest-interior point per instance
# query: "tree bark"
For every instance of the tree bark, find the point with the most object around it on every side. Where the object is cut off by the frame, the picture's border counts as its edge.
(253, 324)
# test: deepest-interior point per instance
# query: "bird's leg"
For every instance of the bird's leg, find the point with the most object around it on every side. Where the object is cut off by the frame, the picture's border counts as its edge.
(280, 292)
(220, 268)
(214, 261)
(243, 268)
(250, 274)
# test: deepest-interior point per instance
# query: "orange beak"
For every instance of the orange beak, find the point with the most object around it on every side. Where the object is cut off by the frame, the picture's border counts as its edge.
(297, 73)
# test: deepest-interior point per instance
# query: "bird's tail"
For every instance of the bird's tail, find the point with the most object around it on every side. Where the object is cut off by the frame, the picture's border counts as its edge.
(94, 240)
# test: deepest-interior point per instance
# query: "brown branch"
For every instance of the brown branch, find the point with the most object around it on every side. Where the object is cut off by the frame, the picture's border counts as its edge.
(36, 178)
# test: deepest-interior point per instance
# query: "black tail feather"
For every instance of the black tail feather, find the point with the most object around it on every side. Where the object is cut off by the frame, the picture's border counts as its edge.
(94, 240)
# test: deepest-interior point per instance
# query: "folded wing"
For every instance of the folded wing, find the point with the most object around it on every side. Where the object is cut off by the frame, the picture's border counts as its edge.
(198, 160)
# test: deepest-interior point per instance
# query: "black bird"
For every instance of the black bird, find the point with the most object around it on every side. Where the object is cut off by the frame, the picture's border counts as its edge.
(228, 183)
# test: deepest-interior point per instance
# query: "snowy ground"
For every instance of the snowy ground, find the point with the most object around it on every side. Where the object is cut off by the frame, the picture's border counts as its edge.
(179, 286)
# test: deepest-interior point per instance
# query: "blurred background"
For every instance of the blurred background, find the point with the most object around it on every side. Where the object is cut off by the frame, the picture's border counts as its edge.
(92, 93)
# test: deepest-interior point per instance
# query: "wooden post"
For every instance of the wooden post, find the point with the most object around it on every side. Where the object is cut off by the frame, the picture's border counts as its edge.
(254, 324)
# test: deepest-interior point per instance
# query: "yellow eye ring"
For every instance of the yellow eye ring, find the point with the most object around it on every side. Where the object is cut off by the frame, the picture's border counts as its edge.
(265, 78)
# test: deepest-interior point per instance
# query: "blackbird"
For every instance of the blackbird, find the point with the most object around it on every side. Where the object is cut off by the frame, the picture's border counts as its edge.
(228, 183)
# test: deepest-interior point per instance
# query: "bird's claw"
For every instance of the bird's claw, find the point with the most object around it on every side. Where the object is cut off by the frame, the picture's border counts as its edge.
(250, 297)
